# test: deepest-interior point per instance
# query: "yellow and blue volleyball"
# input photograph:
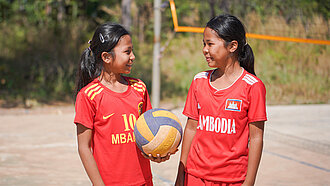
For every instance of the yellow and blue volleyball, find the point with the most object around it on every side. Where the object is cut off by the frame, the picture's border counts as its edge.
(158, 131)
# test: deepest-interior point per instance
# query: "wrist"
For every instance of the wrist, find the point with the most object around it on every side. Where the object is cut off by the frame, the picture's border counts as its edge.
(248, 182)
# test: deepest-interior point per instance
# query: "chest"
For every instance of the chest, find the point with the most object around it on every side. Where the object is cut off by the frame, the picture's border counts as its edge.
(116, 114)
(231, 103)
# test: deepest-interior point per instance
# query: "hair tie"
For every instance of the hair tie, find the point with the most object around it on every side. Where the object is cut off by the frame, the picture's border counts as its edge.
(101, 38)
(89, 48)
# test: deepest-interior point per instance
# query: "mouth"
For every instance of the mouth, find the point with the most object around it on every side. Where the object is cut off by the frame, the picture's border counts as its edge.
(208, 59)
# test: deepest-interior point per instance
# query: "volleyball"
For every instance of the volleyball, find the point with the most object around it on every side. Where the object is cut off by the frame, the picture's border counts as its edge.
(158, 131)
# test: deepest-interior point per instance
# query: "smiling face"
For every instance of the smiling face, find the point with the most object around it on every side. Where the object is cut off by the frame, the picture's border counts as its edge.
(215, 50)
(123, 57)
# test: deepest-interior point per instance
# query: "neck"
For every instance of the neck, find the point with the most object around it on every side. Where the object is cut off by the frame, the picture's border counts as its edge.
(230, 70)
(111, 78)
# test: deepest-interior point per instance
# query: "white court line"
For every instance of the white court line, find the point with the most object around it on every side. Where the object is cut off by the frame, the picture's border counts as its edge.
(162, 179)
(49, 145)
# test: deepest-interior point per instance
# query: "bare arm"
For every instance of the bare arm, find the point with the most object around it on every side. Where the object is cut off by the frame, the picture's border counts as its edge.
(189, 133)
(255, 151)
(84, 136)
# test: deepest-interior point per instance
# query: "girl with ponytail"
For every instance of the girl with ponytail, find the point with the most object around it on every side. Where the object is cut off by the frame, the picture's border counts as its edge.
(226, 111)
(107, 105)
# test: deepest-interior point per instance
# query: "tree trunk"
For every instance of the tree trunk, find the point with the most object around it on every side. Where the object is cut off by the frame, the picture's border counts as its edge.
(60, 13)
(212, 4)
(224, 6)
(141, 27)
(126, 18)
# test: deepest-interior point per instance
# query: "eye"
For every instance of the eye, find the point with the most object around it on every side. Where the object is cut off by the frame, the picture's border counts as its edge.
(127, 51)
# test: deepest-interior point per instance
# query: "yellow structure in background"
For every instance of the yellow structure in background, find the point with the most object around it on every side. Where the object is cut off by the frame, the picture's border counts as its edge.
(178, 28)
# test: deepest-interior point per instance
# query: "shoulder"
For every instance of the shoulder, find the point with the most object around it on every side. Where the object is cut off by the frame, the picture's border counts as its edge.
(201, 79)
(133, 81)
(251, 79)
(202, 75)
(253, 84)
(91, 90)
(137, 84)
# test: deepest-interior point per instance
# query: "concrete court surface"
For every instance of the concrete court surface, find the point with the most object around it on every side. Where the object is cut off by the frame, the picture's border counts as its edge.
(38, 147)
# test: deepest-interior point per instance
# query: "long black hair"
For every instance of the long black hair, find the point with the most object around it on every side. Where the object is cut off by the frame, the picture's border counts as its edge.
(230, 28)
(105, 38)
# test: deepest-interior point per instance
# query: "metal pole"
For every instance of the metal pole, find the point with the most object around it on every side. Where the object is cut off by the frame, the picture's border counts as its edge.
(156, 55)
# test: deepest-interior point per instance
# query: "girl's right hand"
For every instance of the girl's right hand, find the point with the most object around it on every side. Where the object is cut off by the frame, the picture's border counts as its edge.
(159, 159)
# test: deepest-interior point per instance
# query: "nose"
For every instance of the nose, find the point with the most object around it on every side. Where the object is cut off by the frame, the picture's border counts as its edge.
(132, 57)
(205, 50)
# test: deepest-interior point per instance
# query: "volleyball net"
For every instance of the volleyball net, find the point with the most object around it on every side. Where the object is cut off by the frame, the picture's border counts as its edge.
(178, 28)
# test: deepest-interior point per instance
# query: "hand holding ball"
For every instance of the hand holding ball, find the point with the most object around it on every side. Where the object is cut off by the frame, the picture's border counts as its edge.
(158, 131)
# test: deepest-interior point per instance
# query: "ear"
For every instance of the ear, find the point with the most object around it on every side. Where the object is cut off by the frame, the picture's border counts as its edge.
(106, 57)
(232, 47)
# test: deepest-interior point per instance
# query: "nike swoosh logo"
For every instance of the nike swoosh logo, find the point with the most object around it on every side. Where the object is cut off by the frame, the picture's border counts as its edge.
(108, 116)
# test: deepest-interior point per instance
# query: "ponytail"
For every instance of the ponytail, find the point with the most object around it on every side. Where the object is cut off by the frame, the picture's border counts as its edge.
(89, 69)
(105, 38)
(246, 59)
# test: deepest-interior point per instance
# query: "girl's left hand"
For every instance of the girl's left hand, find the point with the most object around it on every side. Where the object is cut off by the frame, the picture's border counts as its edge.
(159, 159)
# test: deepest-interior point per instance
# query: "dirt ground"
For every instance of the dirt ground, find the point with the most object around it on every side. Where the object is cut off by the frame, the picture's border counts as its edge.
(38, 147)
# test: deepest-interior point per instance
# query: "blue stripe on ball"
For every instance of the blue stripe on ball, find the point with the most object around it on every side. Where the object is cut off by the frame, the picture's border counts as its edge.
(141, 140)
(170, 122)
(149, 118)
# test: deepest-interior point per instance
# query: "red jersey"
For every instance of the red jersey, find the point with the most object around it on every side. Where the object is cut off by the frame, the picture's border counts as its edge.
(112, 116)
(219, 150)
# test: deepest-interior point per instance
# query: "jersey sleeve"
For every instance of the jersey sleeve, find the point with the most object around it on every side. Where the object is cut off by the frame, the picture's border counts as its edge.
(257, 108)
(191, 107)
(147, 103)
(85, 111)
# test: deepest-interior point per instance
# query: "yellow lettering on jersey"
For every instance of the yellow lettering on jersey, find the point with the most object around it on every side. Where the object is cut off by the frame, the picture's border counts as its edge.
(129, 123)
(125, 122)
(115, 138)
(129, 138)
(122, 138)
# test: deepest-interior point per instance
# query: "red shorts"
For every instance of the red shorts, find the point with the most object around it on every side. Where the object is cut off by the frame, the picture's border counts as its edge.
(191, 180)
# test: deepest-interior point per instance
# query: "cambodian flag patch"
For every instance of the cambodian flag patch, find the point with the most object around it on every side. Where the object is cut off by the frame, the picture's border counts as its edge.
(233, 105)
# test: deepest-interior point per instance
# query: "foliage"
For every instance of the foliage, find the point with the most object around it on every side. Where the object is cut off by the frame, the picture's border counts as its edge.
(294, 73)
(41, 43)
